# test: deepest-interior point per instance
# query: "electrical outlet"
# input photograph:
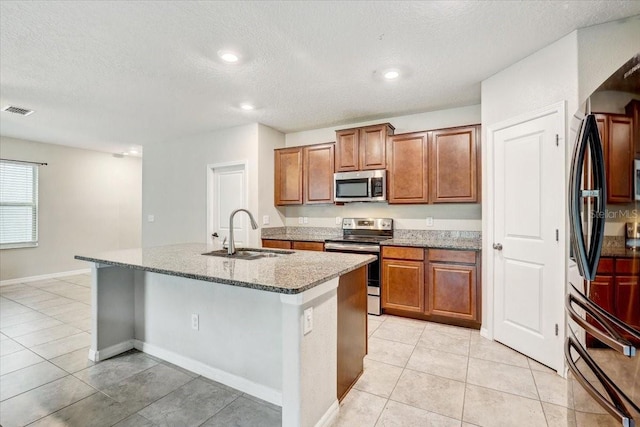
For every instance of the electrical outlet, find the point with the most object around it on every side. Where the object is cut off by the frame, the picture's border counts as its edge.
(195, 322)
(429, 221)
(300, 220)
(338, 220)
(306, 220)
(151, 218)
(307, 321)
(265, 220)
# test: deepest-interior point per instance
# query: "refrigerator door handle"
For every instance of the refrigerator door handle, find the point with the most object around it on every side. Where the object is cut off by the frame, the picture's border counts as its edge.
(587, 255)
(609, 336)
(616, 406)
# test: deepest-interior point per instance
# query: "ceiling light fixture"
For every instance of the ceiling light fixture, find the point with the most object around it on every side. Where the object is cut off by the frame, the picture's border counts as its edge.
(247, 107)
(133, 151)
(228, 56)
(391, 74)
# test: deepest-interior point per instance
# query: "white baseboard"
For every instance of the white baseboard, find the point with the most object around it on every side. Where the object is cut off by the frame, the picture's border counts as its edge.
(265, 393)
(108, 352)
(484, 332)
(330, 415)
(44, 277)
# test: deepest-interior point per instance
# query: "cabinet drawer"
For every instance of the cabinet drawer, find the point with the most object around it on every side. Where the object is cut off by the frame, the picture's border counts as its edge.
(445, 255)
(308, 246)
(626, 266)
(400, 252)
(605, 266)
(276, 244)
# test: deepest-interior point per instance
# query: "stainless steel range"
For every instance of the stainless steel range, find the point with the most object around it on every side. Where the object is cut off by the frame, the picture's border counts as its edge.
(363, 236)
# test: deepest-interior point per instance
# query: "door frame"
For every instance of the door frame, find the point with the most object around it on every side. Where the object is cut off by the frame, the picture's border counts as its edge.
(210, 194)
(488, 214)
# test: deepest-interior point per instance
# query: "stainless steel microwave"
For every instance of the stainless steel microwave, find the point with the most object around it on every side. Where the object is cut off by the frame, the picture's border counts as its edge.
(361, 186)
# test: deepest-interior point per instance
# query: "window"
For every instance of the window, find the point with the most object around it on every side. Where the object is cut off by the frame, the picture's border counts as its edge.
(18, 205)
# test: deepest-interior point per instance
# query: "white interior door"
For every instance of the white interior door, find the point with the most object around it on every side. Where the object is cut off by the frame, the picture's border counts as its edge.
(529, 218)
(227, 192)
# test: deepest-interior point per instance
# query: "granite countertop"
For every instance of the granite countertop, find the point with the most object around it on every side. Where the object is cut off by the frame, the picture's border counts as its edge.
(619, 252)
(459, 244)
(287, 274)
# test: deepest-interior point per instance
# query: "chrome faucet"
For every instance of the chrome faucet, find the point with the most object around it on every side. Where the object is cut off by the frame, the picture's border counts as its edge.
(232, 247)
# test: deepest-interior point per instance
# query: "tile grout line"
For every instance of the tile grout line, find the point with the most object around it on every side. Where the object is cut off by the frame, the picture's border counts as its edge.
(466, 377)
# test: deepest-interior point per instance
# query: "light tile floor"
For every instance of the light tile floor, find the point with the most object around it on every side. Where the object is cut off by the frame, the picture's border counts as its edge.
(416, 374)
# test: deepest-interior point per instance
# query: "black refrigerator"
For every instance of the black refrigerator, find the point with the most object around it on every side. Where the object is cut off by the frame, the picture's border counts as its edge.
(602, 348)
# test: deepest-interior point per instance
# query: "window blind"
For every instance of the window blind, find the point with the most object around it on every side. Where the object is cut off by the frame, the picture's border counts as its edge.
(18, 205)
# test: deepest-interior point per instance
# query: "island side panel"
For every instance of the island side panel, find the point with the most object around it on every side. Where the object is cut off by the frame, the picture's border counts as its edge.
(310, 360)
(352, 328)
(112, 311)
(238, 339)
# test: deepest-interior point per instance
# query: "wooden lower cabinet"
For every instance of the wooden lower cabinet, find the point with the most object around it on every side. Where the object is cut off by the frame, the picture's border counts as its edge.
(434, 284)
(404, 287)
(293, 244)
(452, 290)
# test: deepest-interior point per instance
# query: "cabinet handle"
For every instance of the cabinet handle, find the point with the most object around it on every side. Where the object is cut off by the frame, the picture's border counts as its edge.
(497, 246)
(616, 406)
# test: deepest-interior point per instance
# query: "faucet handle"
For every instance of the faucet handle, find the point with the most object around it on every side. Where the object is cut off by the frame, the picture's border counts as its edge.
(223, 242)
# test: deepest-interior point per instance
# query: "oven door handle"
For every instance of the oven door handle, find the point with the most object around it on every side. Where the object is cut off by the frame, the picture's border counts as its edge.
(351, 248)
(616, 406)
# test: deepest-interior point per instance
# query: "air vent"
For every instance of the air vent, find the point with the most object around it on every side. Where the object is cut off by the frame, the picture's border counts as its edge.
(17, 110)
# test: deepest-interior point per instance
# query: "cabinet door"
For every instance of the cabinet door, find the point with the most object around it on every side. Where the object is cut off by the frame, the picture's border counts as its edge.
(619, 149)
(403, 285)
(347, 154)
(276, 244)
(633, 110)
(600, 292)
(308, 246)
(452, 291)
(627, 297)
(453, 166)
(408, 179)
(318, 173)
(288, 176)
(372, 146)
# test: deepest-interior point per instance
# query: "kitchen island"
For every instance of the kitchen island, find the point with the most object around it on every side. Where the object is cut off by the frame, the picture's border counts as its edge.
(266, 326)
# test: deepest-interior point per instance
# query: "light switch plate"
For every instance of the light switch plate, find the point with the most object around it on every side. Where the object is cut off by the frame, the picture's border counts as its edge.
(151, 218)
(429, 221)
(300, 220)
(338, 220)
(306, 220)
(265, 220)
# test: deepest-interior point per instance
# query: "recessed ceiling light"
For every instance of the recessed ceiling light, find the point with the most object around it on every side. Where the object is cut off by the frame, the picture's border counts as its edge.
(228, 56)
(124, 153)
(247, 107)
(391, 74)
(133, 151)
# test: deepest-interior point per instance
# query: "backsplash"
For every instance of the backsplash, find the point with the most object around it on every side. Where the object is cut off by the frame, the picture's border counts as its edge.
(613, 242)
(397, 234)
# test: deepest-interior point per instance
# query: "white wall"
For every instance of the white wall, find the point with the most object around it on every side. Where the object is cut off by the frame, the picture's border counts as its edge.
(88, 202)
(446, 216)
(174, 182)
(602, 49)
(268, 140)
(546, 77)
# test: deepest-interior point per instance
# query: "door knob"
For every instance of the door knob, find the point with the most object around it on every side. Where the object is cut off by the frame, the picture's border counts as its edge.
(497, 246)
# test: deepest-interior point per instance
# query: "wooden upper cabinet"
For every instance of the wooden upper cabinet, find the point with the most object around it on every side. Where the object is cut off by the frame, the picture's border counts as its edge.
(318, 173)
(373, 141)
(408, 180)
(453, 165)
(633, 110)
(288, 176)
(362, 148)
(347, 155)
(616, 133)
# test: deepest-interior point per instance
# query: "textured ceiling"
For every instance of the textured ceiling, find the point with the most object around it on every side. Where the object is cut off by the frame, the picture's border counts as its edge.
(111, 75)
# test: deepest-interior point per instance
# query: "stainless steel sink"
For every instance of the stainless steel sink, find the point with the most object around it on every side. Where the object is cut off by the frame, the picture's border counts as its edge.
(248, 253)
